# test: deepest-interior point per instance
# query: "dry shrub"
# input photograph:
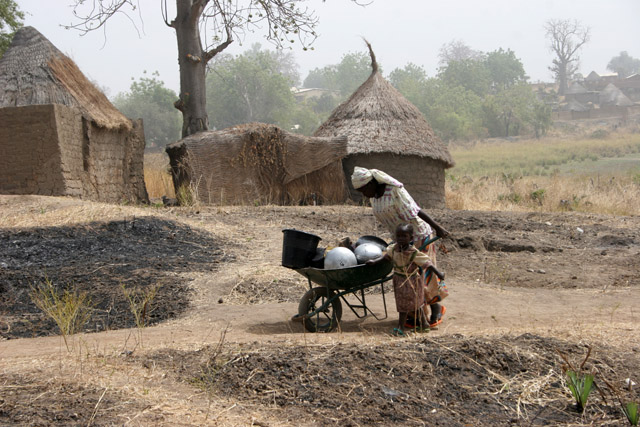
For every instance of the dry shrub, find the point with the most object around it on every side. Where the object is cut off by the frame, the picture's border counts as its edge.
(157, 177)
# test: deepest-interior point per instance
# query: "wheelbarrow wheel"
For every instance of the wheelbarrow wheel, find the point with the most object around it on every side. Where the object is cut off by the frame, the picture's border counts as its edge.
(326, 320)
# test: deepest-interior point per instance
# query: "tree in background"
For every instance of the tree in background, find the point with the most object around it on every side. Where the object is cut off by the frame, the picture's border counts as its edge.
(505, 70)
(150, 100)
(251, 87)
(471, 74)
(10, 20)
(507, 111)
(457, 50)
(283, 21)
(565, 37)
(624, 65)
(474, 98)
(345, 77)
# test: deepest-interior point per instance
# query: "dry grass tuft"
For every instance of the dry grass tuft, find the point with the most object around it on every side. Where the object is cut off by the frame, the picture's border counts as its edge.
(157, 177)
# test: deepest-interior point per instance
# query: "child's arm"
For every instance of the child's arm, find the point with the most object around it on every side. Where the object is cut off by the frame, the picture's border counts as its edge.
(378, 260)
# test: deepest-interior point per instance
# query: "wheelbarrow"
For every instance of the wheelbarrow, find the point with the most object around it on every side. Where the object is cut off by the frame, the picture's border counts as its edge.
(320, 308)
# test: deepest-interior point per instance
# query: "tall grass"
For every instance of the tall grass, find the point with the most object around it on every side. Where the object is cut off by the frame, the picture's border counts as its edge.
(553, 175)
(156, 175)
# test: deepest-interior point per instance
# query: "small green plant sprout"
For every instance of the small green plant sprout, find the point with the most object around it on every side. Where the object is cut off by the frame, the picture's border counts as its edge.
(69, 309)
(579, 382)
(140, 304)
(629, 408)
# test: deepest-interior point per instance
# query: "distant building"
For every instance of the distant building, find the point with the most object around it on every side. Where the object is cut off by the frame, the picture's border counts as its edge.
(302, 94)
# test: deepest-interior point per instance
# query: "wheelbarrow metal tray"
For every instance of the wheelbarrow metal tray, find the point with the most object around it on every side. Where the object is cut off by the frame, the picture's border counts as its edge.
(347, 278)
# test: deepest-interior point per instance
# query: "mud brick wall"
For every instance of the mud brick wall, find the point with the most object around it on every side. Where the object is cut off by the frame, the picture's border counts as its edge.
(53, 150)
(423, 178)
(30, 162)
(114, 165)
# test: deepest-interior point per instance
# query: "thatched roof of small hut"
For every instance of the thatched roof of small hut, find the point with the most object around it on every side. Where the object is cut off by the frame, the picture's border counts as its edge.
(34, 72)
(575, 88)
(611, 95)
(573, 105)
(378, 119)
(259, 161)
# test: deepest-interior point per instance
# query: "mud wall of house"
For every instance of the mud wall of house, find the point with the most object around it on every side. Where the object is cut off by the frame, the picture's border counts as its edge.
(113, 164)
(52, 150)
(30, 161)
(69, 128)
(423, 178)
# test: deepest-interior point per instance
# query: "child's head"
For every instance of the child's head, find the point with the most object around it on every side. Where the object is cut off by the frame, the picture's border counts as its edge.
(404, 234)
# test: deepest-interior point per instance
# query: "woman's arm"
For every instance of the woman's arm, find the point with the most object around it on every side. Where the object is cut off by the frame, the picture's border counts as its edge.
(440, 231)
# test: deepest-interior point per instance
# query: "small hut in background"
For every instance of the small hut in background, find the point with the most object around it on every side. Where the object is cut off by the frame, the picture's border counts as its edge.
(258, 163)
(60, 135)
(385, 131)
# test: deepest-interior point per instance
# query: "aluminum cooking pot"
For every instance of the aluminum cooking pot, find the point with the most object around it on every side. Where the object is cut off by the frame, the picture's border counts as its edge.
(367, 251)
(340, 258)
(372, 239)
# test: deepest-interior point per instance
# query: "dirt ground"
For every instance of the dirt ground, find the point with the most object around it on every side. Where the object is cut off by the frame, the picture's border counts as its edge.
(528, 290)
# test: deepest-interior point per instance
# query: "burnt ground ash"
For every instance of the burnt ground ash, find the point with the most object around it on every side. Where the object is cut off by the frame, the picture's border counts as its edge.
(27, 400)
(100, 258)
(452, 381)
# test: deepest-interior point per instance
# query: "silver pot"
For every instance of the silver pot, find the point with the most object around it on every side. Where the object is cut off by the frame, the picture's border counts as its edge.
(340, 258)
(367, 251)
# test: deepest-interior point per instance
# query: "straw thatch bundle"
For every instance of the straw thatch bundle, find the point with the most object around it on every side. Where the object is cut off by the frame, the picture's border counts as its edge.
(385, 131)
(258, 163)
(34, 72)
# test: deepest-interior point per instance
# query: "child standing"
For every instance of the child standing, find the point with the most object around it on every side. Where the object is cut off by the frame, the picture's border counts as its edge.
(408, 279)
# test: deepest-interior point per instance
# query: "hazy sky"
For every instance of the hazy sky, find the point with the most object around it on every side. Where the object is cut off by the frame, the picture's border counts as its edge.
(399, 31)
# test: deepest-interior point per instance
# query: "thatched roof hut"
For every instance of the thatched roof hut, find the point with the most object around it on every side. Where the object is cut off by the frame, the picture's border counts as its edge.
(611, 95)
(60, 135)
(387, 132)
(258, 163)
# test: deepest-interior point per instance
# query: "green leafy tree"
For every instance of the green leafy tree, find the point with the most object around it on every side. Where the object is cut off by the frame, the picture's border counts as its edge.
(470, 74)
(150, 100)
(541, 119)
(454, 112)
(345, 77)
(411, 82)
(509, 110)
(250, 88)
(624, 64)
(565, 37)
(10, 20)
(505, 69)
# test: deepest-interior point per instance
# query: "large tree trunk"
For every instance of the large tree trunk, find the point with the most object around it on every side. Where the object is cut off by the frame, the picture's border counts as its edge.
(562, 78)
(192, 62)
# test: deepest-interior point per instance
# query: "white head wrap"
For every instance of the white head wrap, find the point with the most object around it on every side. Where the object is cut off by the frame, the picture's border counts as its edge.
(362, 176)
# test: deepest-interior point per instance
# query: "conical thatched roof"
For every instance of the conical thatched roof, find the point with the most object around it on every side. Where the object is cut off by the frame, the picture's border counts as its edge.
(611, 95)
(574, 105)
(378, 119)
(34, 72)
(575, 89)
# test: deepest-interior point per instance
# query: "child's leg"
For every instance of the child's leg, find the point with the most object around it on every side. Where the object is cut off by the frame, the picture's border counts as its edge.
(402, 319)
(423, 318)
(435, 313)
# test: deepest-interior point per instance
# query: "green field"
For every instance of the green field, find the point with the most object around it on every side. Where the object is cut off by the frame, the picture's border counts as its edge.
(618, 154)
